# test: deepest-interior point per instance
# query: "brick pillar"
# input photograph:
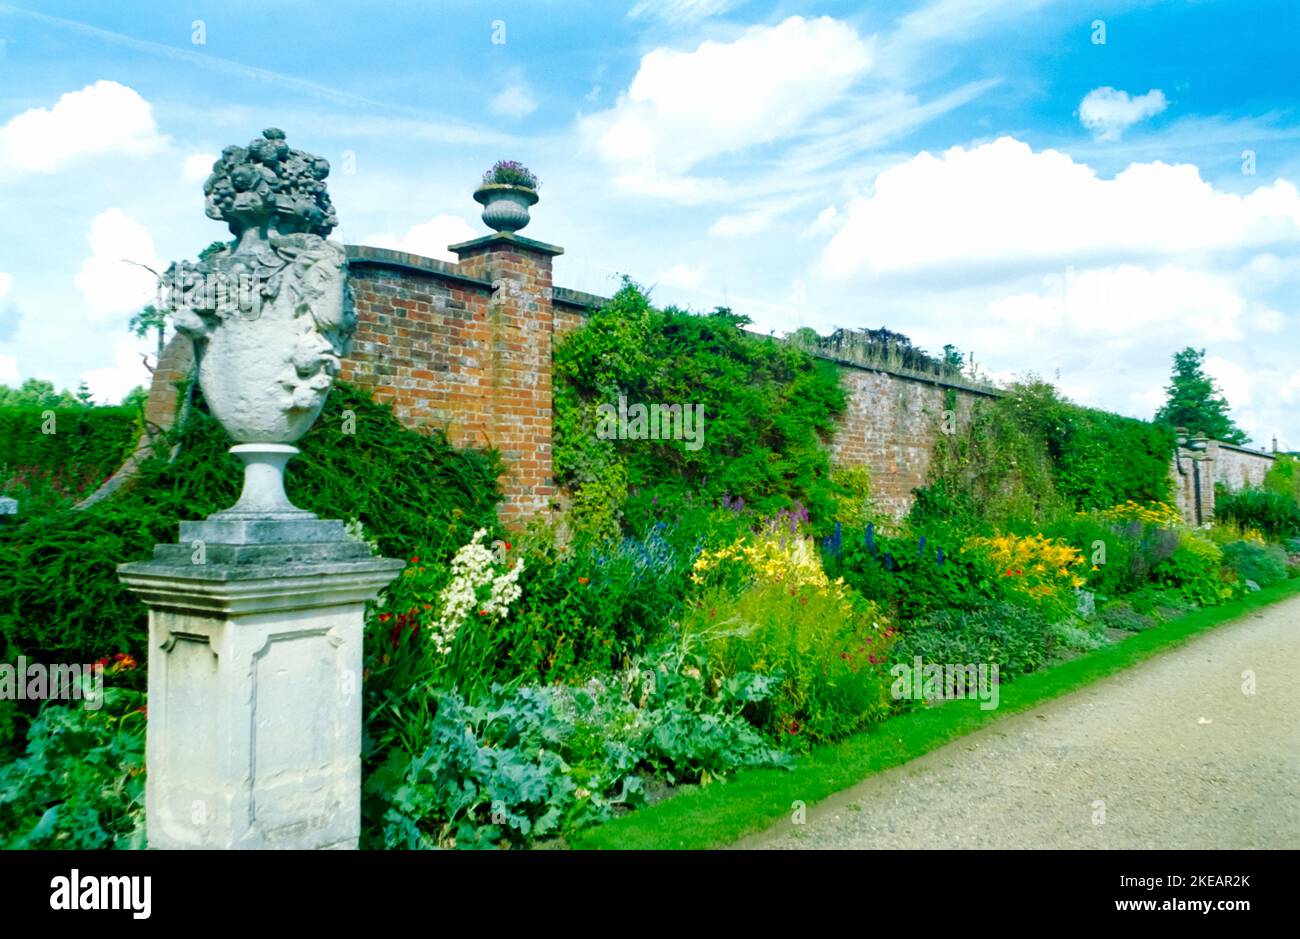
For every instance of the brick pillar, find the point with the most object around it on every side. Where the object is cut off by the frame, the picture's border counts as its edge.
(517, 375)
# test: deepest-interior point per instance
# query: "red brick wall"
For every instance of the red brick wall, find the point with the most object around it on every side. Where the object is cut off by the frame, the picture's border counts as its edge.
(467, 347)
(891, 425)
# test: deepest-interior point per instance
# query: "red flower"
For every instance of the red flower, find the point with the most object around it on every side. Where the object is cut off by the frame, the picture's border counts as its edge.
(482, 612)
(415, 560)
(384, 617)
(584, 580)
(102, 662)
(507, 546)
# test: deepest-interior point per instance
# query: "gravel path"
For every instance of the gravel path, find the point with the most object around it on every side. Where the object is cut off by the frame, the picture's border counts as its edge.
(1180, 756)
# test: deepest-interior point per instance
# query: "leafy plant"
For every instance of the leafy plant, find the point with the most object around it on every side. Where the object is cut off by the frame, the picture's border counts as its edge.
(1274, 513)
(1004, 634)
(80, 782)
(511, 173)
(1263, 564)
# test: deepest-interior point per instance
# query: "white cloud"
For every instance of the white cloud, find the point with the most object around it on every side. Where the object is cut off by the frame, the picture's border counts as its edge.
(1126, 304)
(742, 224)
(110, 384)
(516, 100)
(1003, 203)
(8, 370)
(685, 107)
(682, 275)
(6, 284)
(112, 280)
(1233, 380)
(681, 12)
(427, 239)
(197, 167)
(105, 117)
(1108, 112)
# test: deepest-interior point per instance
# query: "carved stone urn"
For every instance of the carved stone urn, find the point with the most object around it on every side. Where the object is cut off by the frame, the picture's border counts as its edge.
(271, 314)
(505, 205)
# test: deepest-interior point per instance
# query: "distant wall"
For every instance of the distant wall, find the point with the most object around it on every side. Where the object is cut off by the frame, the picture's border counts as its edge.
(1238, 467)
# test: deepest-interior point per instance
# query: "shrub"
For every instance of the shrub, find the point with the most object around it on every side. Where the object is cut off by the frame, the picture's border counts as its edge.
(59, 592)
(1264, 564)
(47, 470)
(1276, 514)
(827, 645)
(1001, 633)
(914, 574)
(1030, 454)
(1194, 570)
(80, 783)
(768, 407)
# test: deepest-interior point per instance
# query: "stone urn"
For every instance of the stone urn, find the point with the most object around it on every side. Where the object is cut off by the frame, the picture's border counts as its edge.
(505, 205)
(270, 314)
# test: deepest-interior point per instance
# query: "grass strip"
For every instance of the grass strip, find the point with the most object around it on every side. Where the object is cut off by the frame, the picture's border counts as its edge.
(719, 814)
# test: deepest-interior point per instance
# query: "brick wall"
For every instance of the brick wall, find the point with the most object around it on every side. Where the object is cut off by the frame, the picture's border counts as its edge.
(468, 347)
(891, 425)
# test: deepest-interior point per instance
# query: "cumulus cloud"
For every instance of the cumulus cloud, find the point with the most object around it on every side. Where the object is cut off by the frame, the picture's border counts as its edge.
(8, 370)
(105, 117)
(1108, 112)
(197, 167)
(112, 280)
(110, 384)
(427, 239)
(516, 100)
(685, 107)
(6, 284)
(1003, 203)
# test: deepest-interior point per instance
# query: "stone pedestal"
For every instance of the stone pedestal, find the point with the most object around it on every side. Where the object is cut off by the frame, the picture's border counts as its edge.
(254, 733)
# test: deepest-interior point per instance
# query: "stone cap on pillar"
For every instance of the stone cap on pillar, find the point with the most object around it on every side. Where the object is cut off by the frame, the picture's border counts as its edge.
(504, 241)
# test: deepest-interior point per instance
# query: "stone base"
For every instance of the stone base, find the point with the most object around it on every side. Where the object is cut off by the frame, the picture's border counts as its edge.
(254, 733)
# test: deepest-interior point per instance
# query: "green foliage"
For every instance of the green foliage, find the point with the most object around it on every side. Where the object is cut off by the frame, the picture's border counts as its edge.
(1032, 455)
(59, 592)
(1193, 401)
(53, 456)
(1010, 636)
(1284, 476)
(1195, 571)
(828, 652)
(768, 406)
(529, 763)
(1272, 513)
(37, 393)
(1119, 555)
(80, 783)
(1264, 564)
(1121, 615)
(915, 575)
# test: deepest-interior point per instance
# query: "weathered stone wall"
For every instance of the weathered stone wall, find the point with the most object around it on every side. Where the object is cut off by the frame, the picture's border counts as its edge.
(891, 425)
(1239, 467)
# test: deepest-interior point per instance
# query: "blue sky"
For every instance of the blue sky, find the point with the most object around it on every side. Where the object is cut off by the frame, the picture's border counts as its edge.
(979, 172)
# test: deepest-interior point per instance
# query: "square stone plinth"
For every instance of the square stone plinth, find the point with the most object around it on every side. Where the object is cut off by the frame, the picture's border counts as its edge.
(254, 732)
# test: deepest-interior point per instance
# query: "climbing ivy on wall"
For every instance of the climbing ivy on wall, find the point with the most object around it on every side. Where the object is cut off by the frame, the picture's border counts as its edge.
(769, 407)
(1032, 453)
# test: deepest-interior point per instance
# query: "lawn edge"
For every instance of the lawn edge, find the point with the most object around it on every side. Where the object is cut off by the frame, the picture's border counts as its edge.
(722, 813)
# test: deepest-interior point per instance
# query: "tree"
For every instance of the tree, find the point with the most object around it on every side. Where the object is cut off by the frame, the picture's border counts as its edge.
(1194, 401)
(36, 392)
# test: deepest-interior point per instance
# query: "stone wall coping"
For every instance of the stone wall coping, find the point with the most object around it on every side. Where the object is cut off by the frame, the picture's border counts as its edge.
(908, 375)
(506, 239)
(1247, 450)
(578, 298)
(366, 255)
